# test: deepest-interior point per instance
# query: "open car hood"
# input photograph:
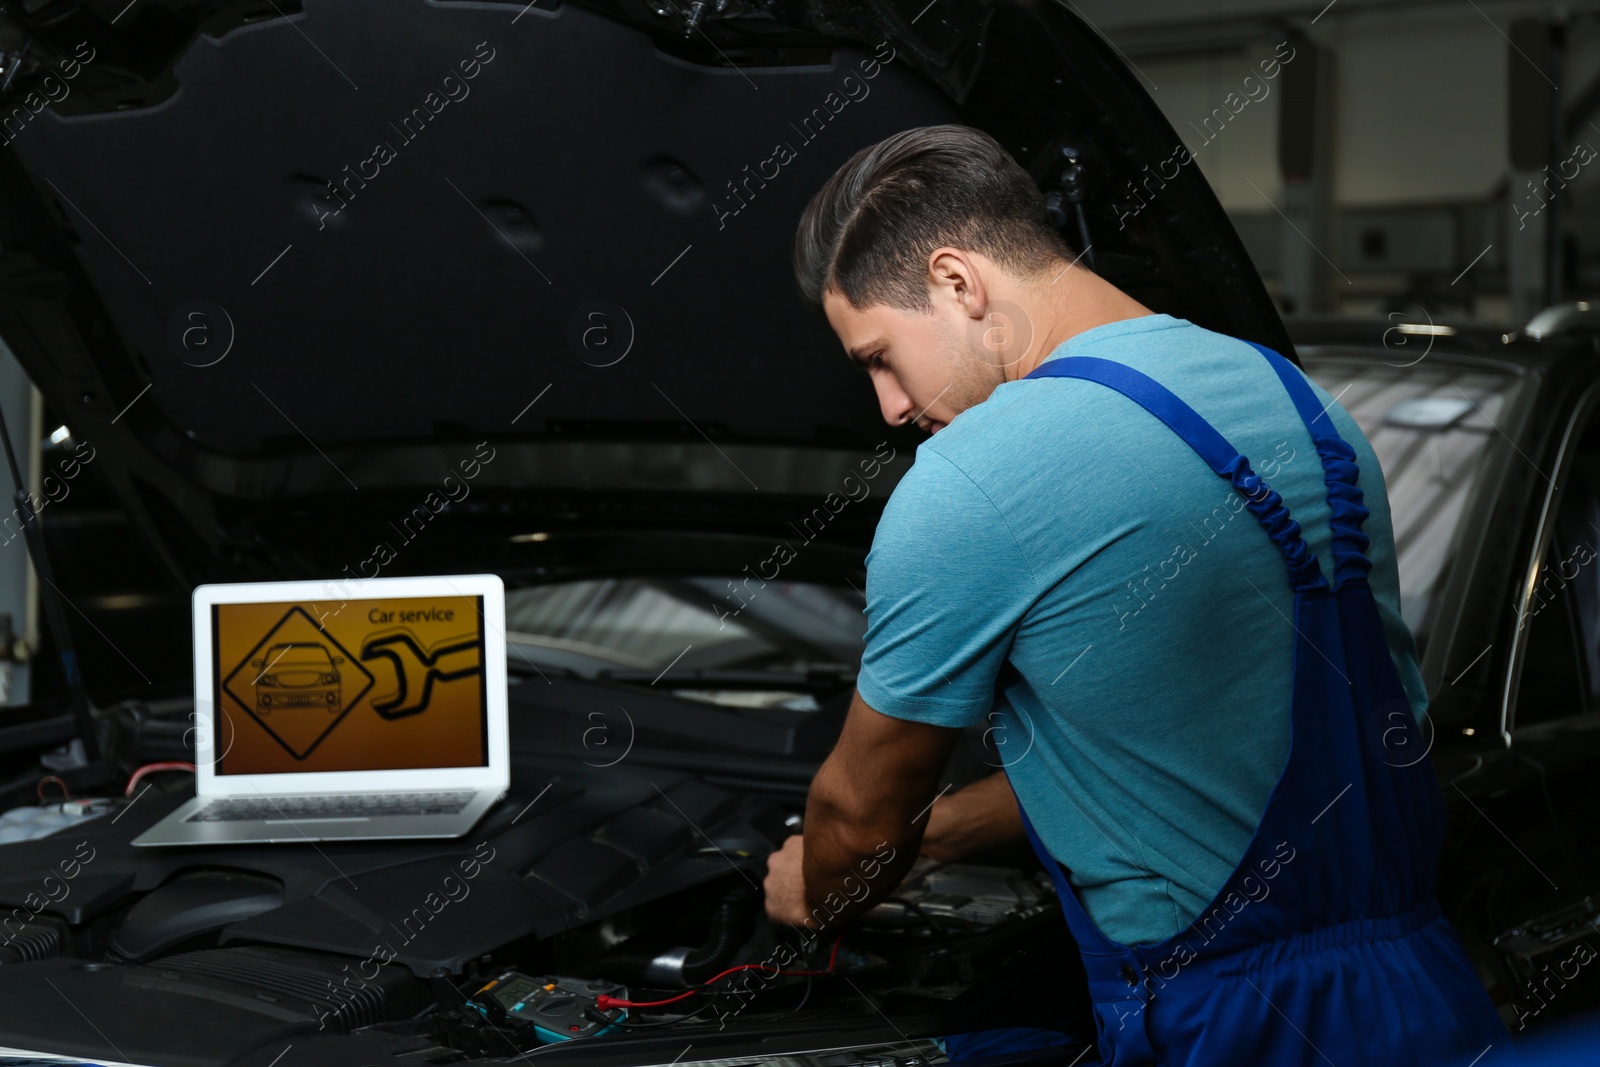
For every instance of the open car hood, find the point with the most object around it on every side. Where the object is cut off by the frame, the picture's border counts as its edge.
(294, 272)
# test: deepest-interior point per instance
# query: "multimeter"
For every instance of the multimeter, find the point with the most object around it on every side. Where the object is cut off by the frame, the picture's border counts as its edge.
(557, 1008)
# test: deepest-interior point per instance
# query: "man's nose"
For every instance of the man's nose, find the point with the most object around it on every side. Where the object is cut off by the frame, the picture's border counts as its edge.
(897, 406)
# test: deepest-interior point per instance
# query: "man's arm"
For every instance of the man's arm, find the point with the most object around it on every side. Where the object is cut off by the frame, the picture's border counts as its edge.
(981, 814)
(947, 588)
(864, 819)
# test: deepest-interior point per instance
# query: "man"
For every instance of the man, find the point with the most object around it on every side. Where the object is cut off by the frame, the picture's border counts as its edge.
(1138, 634)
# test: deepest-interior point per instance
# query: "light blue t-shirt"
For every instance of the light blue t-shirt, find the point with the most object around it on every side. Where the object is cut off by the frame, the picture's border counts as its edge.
(1061, 563)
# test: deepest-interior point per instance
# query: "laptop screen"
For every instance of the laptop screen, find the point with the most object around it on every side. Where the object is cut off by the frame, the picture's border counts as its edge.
(393, 683)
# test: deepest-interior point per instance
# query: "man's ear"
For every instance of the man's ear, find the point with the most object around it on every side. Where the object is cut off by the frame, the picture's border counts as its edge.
(954, 275)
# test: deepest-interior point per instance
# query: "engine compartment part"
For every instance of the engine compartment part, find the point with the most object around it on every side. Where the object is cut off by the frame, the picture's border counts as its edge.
(1549, 957)
(940, 897)
(731, 926)
(23, 941)
(25, 824)
(201, 1007)
(191, 904)
(285, 978)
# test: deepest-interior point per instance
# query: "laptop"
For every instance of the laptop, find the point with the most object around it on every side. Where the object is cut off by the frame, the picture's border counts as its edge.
(345, 710)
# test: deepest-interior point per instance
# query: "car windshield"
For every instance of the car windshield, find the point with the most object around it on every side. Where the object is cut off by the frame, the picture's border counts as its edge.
(751, 643)
(1432, 426)
(743, 642)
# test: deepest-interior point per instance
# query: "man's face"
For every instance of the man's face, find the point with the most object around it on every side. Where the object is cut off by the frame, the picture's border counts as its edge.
(925, 366)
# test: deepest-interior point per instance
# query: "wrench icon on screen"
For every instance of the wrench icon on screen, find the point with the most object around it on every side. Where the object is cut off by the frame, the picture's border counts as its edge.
(417, 668)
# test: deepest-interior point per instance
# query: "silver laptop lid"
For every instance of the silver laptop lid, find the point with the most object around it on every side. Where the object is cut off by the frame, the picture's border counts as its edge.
(350, 686)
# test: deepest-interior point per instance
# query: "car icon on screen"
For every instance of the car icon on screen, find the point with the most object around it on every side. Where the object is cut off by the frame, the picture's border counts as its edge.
(297, 674)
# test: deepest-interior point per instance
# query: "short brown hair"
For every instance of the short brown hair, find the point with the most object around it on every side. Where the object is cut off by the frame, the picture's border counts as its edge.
(868, 232)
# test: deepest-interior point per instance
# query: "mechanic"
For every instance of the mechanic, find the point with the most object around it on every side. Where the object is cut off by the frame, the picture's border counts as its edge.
(1240, 892)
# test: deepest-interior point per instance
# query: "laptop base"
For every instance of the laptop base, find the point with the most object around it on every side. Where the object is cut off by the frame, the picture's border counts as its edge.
(175, 829)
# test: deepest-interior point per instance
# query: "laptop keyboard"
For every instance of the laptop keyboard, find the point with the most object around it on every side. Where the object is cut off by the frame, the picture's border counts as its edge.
(357, 806)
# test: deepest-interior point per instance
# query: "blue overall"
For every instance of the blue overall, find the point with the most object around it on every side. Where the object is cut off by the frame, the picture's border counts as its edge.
(1326, 944)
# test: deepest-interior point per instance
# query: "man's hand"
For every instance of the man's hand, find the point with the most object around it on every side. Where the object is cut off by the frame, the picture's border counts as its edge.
(785, 884)
(982, 814)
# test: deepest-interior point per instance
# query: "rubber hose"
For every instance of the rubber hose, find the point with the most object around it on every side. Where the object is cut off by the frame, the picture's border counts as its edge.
(731, 925)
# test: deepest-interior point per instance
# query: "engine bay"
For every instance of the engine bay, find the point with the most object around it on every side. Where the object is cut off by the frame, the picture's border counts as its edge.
(609, 913)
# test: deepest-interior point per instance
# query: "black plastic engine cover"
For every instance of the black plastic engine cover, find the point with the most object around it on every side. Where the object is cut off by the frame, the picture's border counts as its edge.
(196, 1009)
(567, 847)
(192, 904)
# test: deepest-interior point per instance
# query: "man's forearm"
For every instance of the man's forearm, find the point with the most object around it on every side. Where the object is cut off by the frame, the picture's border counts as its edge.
(862, 825)
(851, 862)
(981, 814)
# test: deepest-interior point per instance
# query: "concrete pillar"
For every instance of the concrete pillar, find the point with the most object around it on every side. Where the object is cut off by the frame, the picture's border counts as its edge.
(1306, 236)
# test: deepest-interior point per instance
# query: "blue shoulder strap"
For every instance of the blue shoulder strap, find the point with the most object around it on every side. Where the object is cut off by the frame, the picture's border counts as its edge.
(1346, 510)
(1262, 500)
